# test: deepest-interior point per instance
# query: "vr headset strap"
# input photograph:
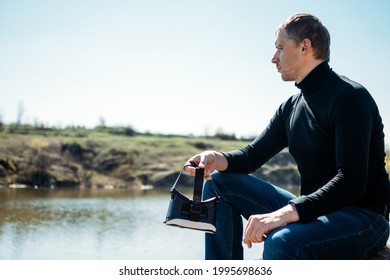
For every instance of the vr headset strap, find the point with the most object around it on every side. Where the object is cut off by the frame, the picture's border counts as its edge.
(198, 185)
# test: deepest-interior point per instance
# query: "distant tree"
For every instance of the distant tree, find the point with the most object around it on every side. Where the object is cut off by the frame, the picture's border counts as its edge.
(102, 121)
(224, 136)
(20, 113)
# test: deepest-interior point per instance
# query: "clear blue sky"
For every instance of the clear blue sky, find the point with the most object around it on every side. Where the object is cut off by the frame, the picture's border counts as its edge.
(173, 66)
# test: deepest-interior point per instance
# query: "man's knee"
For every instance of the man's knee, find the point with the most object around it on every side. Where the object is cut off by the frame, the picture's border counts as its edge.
(221, 183)
(225, 180)
(279, 245)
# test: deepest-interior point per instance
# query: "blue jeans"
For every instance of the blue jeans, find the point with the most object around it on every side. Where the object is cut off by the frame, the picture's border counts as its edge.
(351, 233)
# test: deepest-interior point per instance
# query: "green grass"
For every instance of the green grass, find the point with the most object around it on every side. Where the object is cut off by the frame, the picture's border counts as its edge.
(143, 154)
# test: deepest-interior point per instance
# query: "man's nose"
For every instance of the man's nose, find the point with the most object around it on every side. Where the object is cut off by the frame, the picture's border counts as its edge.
(274, 58)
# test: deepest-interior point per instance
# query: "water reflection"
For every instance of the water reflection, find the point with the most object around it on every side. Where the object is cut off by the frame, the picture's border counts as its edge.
(82, 224)
(92, 224)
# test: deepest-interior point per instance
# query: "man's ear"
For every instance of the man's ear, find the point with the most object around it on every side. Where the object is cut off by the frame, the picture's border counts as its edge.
(306, 45)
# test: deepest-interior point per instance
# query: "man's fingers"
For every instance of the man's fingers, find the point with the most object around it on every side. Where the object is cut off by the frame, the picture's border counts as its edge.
(253, 232)
(248, 233)
(248, 243)
(202, 161)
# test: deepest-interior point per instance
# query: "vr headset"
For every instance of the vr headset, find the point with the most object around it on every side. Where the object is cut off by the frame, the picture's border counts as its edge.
(193, 214)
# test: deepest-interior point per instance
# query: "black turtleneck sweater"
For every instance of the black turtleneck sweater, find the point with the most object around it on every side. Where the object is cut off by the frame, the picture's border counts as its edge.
(335, 134)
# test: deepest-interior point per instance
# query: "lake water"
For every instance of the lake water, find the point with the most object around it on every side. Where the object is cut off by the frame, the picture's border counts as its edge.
(63, 224)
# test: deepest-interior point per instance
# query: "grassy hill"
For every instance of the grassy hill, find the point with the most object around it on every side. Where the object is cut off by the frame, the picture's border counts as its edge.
(101, 157)
(113, 158)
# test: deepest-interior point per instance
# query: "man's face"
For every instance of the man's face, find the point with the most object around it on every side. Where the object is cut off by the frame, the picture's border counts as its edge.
(287, 57)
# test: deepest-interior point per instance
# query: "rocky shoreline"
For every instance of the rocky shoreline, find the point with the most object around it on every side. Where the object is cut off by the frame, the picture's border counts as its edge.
(50, 163)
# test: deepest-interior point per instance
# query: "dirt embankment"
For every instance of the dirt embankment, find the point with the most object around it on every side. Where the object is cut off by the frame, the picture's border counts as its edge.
(53, 163)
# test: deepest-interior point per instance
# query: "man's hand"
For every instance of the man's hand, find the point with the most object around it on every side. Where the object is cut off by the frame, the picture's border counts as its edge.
(260, 225)
(210, 161)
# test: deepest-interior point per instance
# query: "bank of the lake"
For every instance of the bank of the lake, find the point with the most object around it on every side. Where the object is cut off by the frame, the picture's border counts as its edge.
(97, 158)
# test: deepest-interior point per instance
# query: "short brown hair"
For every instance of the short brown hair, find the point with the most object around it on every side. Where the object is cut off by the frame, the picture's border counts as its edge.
(301, 26)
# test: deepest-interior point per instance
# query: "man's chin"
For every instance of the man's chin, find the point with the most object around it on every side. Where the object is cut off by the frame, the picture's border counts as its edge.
(286, 78)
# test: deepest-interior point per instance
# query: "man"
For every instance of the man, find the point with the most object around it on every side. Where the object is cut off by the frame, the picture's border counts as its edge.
(335, 134)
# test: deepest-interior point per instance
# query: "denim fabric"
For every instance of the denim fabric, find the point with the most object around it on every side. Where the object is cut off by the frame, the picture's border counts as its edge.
(351, 233)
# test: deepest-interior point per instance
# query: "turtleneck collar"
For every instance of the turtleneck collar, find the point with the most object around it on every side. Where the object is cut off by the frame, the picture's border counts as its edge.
(314, 77)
